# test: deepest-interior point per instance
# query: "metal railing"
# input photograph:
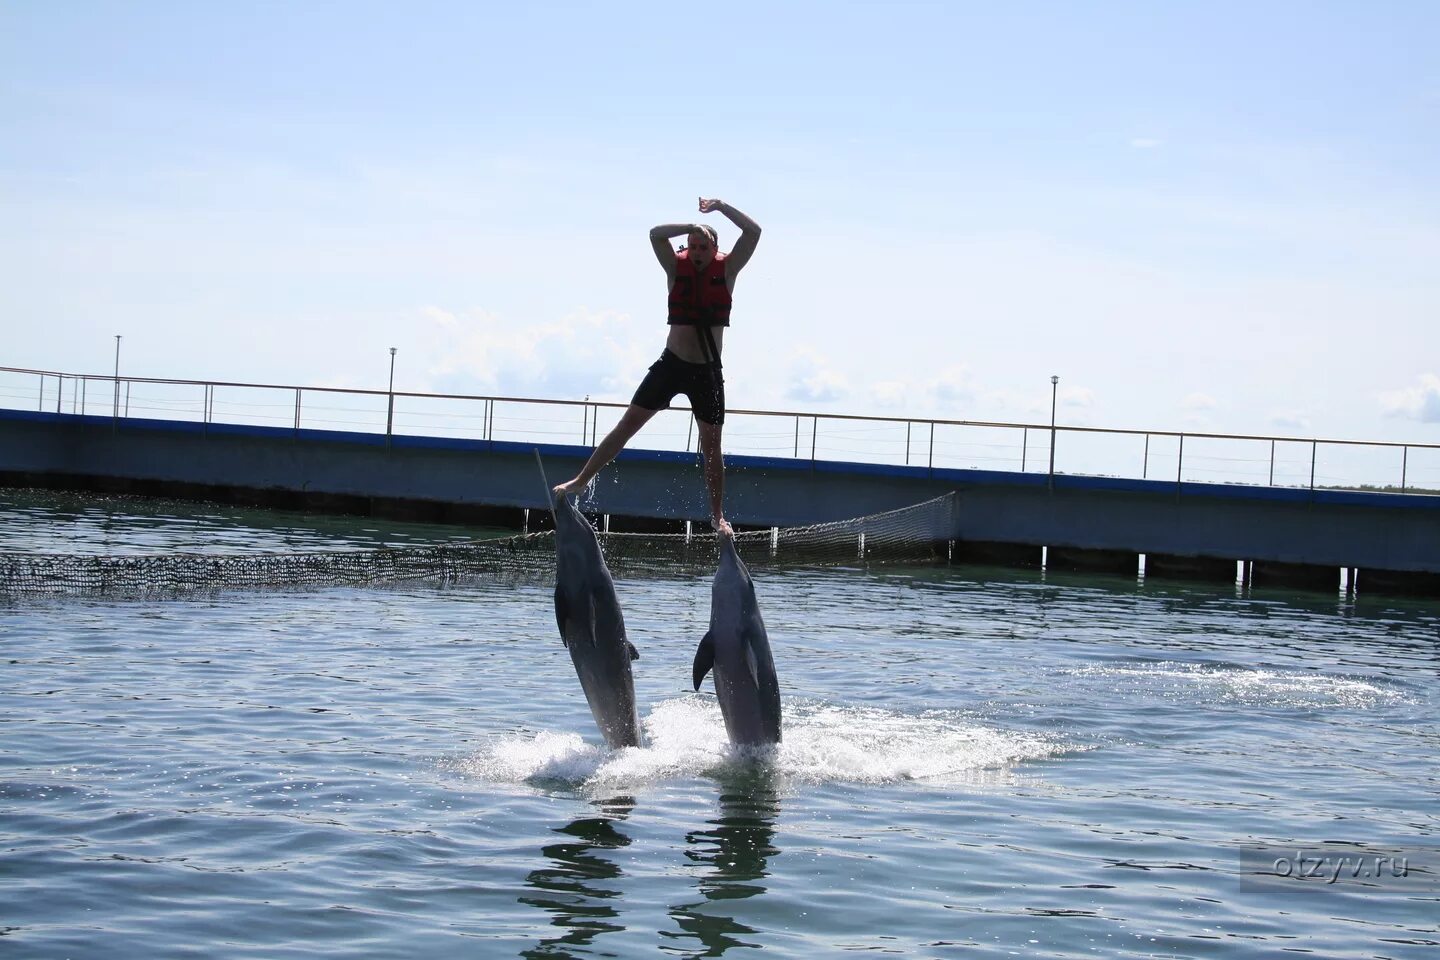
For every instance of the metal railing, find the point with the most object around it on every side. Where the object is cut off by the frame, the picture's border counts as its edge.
(1185, 456)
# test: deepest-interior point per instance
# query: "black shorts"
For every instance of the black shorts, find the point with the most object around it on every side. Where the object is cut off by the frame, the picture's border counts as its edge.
(702, 383)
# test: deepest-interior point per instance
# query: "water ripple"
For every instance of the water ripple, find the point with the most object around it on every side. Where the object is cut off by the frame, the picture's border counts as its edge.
(975, 762)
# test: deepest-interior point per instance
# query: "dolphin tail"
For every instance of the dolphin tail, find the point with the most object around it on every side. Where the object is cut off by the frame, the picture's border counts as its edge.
(704, 659)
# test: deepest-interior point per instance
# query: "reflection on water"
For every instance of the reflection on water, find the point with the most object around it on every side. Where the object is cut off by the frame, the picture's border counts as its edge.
(49, 522)
(173, 781)
(576, 889)
(737, 849)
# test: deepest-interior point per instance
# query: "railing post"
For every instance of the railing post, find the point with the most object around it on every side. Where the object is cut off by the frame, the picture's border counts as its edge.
(1051, 481)
(390, 389)
(115, 412)
(590, 426)
(1054, 393)
(1050, 477)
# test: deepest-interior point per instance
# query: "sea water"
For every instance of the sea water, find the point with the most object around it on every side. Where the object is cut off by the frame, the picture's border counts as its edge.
(976, 762)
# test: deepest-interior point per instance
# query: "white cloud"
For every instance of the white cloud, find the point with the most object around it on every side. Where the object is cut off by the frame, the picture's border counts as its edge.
(889, 394)
(1195, 411)
(1290, 419)
(1077, 397)
(1416, 402)
(812, 380)
(1197, 402)
(954, 387)
(583, 353)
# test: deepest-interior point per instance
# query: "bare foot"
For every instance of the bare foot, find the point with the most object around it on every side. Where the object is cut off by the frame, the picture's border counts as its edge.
(723, 528)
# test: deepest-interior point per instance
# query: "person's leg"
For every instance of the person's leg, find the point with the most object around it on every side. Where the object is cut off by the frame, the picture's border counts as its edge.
(705, 389)
(714, 466)
(631, 421)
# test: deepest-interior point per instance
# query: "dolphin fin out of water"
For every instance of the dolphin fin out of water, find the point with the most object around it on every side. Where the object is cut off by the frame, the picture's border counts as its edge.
(737, 650)
(591, 625)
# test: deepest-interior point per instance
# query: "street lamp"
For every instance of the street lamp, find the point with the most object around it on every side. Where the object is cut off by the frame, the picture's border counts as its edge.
(1054, 387)
(390, 415)
(115, 414)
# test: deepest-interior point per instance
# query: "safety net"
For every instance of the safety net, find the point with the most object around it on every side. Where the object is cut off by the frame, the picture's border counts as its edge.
(916, 533)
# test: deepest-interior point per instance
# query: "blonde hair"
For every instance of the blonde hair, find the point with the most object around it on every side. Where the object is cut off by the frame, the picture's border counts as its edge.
(708, 231)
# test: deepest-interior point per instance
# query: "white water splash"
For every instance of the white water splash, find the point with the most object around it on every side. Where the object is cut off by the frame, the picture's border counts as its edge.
(823, 743)
(1249, 685)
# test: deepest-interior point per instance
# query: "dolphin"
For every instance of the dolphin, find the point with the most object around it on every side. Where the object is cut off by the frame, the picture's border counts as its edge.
(738, 650)
(588, 614)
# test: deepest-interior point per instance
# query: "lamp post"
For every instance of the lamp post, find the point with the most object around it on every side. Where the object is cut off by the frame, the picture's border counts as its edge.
(1054, 387)
(115, 413)
(390, 414)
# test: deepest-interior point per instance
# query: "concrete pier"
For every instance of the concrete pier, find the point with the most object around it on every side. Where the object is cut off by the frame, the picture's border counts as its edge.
(997, 554)
(1079, 560)
(1291, 536)
(1166, 566)
(1395, 583)
(1306, 576)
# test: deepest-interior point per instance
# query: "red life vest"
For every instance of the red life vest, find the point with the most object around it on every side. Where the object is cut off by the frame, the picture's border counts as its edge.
(700, 300)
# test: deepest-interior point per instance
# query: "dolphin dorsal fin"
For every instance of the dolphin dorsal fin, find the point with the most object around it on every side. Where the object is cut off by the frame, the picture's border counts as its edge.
(704, 659)
(634, 654)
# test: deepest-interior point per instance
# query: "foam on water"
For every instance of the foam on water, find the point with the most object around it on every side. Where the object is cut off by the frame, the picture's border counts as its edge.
(823, 743)
(1249, 685)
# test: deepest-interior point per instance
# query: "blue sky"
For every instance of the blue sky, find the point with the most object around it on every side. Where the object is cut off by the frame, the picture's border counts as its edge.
(1202, 216)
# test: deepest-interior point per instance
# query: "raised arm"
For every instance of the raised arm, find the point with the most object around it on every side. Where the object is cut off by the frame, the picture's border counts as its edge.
(749, 235)
(660, 241)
